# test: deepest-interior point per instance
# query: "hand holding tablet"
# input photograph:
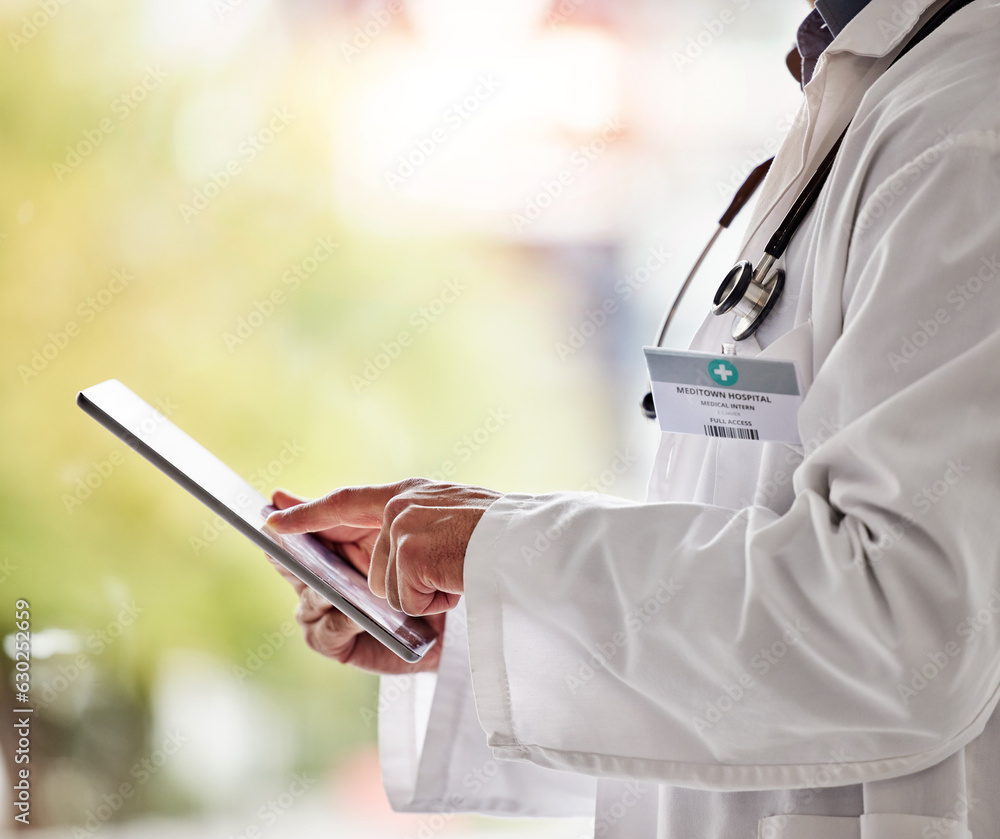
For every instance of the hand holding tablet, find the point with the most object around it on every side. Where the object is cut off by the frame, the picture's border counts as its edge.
(329, 631)
(417, 561)
(306, 558)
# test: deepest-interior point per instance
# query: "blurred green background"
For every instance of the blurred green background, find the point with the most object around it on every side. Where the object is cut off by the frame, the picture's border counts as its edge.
(170, 170)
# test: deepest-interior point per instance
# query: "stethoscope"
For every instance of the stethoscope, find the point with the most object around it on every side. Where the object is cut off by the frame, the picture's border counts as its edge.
(750, 291)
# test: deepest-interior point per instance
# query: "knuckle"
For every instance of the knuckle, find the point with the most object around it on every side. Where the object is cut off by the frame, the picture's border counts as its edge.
(407, 550)
(402, 529)
(331, 636)
(335, 497)
(408, 601)
(311, 607)
(396, 506)
(413, 488)
(302, 616)
(380, 550)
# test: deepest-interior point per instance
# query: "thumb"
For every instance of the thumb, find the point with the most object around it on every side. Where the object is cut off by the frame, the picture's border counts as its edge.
(355, 506)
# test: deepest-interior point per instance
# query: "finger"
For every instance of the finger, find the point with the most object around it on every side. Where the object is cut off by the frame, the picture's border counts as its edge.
(345, 532)
(392, 574)
(334, 635)
(422, 588)
(421, 602)
(312, 606)
(363, 650)
(379, 562)
(398, 517)
(367, 653)
(357, 556)
(282, 499)
(335, 622)
(356, 506)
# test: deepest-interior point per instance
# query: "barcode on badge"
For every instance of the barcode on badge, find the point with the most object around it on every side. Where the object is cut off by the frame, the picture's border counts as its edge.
(735, 433)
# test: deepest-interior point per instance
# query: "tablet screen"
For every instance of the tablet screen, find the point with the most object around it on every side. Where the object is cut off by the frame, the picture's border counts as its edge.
(207, 478)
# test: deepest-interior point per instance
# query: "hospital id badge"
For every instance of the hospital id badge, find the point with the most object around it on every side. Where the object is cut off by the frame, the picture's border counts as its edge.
(725, 396)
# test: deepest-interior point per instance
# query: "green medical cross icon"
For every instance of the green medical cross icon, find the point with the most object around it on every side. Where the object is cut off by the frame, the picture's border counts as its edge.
(723, 372)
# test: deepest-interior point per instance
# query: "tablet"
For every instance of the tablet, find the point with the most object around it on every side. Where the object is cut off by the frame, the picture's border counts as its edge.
(218, 487)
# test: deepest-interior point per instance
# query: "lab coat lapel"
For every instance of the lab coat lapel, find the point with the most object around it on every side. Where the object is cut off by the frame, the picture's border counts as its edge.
(850, 65)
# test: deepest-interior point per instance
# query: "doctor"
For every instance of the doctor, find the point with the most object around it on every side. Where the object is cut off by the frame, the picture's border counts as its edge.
(786, 640)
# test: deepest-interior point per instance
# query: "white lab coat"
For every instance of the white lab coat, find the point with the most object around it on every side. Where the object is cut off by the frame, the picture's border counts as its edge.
(785, 641)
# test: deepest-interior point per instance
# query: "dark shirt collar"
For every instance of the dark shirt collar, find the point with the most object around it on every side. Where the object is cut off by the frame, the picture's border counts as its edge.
(813, 37)
(839, 13)
(819, 29)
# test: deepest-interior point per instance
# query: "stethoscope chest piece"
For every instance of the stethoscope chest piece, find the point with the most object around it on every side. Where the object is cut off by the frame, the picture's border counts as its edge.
(750, 294)
(733, 287)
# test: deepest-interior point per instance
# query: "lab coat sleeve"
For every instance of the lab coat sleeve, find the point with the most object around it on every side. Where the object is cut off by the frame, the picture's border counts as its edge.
(434, 757)
(854, 637)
